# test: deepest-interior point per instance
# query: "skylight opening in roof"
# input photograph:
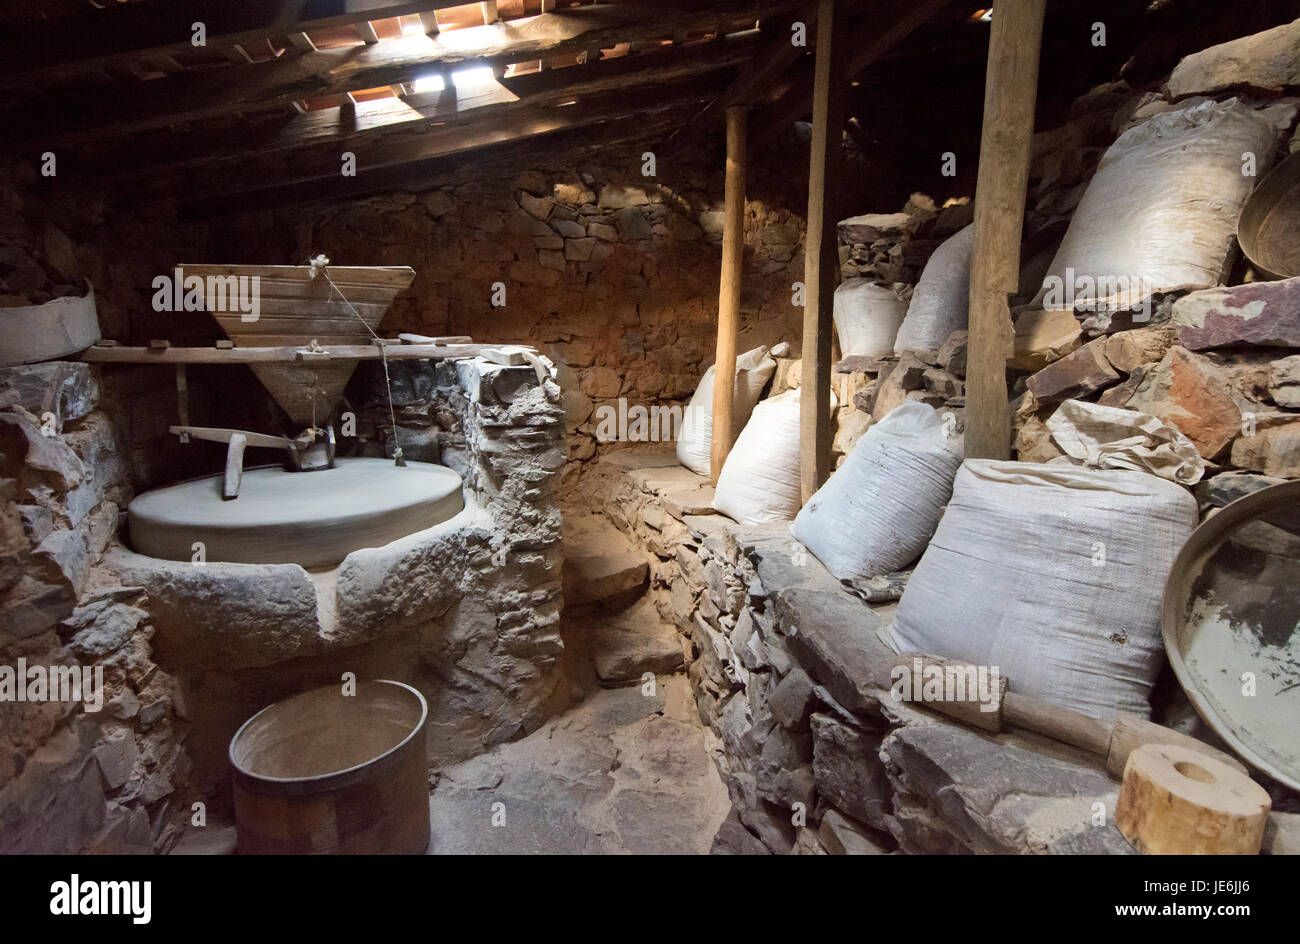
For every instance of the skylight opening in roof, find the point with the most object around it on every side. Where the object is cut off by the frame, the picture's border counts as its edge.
(468, 79)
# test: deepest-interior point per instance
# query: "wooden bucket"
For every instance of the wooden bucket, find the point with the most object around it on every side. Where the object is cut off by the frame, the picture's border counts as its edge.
(325, 772)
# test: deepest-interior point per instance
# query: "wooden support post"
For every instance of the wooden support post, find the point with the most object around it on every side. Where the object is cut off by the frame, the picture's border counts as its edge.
(821, 255)
(429, 23)
(490, 14)
(1010, 86)
(733, 246)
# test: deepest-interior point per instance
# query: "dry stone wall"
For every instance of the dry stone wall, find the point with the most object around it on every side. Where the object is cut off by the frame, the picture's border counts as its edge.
(105, 771)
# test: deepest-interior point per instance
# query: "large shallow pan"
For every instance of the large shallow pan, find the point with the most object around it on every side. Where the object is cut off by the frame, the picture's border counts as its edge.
(1231, 625)
(1269, 226)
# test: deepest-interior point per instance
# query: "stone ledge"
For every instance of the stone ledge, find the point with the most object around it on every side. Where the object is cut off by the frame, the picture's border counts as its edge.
(909, 778)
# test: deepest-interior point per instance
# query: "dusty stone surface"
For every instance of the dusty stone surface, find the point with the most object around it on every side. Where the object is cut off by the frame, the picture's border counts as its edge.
(1284, 382)
(1042, 336)
(968, 793)
(1078, 374)
(840, 835)
(848, 769)
(1266, 62)
(628, 643)
(622, 772)
(1191, 393)
(1219, 490)
(1273, 451)
(1263, 313)
(599, 562)
(1128, 350)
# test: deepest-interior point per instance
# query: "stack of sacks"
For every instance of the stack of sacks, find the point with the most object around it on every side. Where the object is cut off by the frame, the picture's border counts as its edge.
(753, 370)
(760, 481)
(1055, 575)
(876, 513)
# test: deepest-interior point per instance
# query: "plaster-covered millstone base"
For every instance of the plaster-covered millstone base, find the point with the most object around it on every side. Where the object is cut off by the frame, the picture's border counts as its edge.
(424, 609)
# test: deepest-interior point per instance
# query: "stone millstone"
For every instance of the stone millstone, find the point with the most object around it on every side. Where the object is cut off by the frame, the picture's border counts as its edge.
(314, 519)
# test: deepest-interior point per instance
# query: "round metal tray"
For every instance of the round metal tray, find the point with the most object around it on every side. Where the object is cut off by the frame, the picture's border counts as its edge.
(1232, 607)
(1269, 226)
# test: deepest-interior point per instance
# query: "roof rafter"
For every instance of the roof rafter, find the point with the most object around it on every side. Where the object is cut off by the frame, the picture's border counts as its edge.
(174, 99)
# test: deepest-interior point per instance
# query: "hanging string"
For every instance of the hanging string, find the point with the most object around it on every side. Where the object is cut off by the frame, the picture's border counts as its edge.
(318, 265)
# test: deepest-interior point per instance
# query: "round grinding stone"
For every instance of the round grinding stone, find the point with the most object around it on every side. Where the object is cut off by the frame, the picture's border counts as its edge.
(310, 518)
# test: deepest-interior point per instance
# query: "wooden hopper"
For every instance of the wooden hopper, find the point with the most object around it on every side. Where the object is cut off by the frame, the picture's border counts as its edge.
(294, 310)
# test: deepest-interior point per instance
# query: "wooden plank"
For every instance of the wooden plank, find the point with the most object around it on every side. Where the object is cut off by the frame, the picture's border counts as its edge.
(490, 15)
(1010, 89)
(88, 115)
(277, 355)
(821, 253)
(429, 23)
(733, 247)
(94, 38)
(367, 33)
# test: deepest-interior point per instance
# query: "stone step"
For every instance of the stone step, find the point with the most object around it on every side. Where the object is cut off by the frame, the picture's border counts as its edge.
(626, 645)
(600, 563)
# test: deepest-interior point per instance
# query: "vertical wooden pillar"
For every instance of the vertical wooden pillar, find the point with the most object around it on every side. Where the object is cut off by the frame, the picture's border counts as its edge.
(733, 244)
(1010, 87)
(821, 254)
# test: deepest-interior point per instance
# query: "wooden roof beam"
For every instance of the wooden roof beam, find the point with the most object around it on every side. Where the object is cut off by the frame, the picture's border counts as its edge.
(440, 151)
(89, 115)
(94, 38)
(665, 65)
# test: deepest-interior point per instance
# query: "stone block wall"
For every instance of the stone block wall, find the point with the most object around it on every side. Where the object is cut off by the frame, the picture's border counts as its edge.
(105, 772)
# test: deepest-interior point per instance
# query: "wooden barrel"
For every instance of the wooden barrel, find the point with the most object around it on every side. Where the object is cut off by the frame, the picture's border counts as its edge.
(328, 772)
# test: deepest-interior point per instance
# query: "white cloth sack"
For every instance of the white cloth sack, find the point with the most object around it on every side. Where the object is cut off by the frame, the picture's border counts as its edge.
(1108, 437)
(941, 303)
(867, 317)
(1054, 574)
(876, 512)
(760, 479)
(695, 441)
(1162, 208)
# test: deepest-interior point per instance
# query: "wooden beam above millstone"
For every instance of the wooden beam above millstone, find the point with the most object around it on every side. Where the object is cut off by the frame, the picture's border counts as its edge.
(122, 33)
(89, 115)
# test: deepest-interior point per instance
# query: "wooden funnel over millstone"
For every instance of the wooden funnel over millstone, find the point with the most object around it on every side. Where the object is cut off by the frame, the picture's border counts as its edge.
(292, 310)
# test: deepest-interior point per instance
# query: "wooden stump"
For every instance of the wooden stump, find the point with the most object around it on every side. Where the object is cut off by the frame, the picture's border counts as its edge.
(1178, 801)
